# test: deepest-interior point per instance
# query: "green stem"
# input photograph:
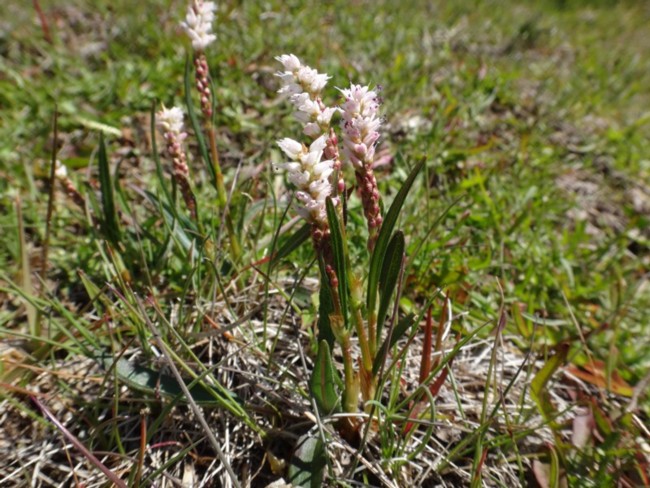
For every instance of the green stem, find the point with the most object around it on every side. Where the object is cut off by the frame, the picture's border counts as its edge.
(218, 175)
(235, 248)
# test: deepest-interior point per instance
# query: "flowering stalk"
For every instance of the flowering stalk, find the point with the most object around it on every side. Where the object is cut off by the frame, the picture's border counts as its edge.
(304, 86)
(61, 174)
(309, 173)
(198, 26)
(170, 121)
(360, 125)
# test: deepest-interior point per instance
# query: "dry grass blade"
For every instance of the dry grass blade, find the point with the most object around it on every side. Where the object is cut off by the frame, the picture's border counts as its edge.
(79, 445)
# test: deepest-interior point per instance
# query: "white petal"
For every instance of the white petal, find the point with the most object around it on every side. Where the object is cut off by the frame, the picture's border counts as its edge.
(293, 149)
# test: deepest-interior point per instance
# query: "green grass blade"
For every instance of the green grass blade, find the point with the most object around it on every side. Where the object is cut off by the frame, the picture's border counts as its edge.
(291, 244)
(400, 329)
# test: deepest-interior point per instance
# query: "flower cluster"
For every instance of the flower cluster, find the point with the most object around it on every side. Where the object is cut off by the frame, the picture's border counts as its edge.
(170, 121)
(310, 175)
(61, 174)
(198, 24)
(304, 86)
(360, 124)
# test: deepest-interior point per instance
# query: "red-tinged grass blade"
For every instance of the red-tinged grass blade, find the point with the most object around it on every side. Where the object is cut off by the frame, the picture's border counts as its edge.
(476, 476)
(434, 389)
(594, 372)
(441, 331)
(538, 385)
(425, 362)
(79, 445)
(379, 253)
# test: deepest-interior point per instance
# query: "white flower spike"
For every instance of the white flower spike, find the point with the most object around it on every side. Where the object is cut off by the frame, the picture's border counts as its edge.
(198, 24)
(310, 175)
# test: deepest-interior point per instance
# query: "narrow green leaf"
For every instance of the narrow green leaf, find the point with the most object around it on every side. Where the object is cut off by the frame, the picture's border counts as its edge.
(538, 385)
(390, 271)
(307, 468)
(196, 124)
(554, 471)
(172, 219)
(340, 257)
(291, 244)
(109, 220)
(400, 329)
(377, 258)
(323, 381)
(325, 307)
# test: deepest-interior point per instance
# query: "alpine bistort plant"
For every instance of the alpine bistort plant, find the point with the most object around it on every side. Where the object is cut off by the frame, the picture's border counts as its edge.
(315, 171)
(170, 121)
(198, 26)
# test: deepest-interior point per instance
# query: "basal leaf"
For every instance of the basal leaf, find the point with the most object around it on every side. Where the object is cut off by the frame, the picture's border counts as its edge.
(307, 468)
(325, 307)
(324, 380)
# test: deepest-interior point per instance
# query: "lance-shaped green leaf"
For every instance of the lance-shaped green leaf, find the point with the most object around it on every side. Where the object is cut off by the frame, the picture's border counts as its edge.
(340, 257)
(379, 253)
(325, 307)
(538, 390)
(390, 271)
(324, 381)
(109, 220)
(149, 381)
(400, 329)
(196, 125)
(308, 463)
